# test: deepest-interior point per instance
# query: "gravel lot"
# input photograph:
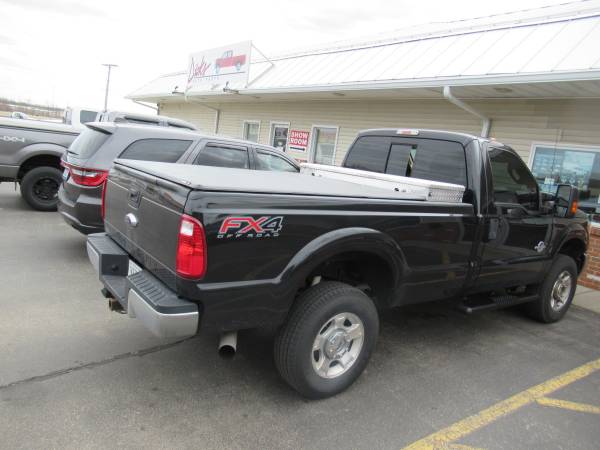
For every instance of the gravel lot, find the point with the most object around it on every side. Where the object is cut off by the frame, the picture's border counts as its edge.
(74, 375)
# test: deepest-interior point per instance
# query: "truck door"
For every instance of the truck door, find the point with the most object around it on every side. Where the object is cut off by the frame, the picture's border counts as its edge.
(517, 231)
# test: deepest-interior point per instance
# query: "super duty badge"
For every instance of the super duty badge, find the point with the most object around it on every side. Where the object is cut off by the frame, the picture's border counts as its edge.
(250, 227)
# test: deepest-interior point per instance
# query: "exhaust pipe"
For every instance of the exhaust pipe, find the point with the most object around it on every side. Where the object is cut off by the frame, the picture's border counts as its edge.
(114, 305)
(228, 345)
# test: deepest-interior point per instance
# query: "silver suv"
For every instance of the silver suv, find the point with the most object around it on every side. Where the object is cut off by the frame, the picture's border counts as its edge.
(91, 156)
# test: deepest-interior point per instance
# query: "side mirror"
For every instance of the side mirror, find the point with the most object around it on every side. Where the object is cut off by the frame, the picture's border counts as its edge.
(567, 198)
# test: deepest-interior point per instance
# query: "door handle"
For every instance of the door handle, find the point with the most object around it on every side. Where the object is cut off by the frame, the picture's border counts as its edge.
(493, 230)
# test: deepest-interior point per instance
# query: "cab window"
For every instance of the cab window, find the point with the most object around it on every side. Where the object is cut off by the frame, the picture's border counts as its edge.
(429, 159)
(513, 183)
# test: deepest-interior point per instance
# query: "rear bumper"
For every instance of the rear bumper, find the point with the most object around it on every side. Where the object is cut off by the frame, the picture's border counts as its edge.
(142, 295)
(84, 213)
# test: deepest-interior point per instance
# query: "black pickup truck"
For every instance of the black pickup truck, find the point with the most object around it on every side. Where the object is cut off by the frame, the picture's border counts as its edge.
(188, 248)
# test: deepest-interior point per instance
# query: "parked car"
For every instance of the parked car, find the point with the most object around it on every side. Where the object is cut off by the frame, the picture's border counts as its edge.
(31, 151)
(18, 115)
(320, 258)
(91, 155)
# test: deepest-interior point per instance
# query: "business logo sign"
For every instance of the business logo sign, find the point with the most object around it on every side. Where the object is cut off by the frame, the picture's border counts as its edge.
(250, 227)
(298, 140)
(218, 66)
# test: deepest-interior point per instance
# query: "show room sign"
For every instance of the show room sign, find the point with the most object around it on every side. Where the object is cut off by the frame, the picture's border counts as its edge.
(298, 140)
(217, 66)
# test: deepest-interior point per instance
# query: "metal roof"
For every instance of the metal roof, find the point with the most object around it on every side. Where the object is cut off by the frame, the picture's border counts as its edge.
(552, 44)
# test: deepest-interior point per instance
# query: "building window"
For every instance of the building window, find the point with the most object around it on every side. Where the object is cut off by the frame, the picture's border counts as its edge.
(279, 135)
(323, 144)
(552, 165)
(251, 130)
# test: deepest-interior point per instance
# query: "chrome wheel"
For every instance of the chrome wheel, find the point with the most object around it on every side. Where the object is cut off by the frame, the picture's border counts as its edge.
(561, 290)
(337, 345)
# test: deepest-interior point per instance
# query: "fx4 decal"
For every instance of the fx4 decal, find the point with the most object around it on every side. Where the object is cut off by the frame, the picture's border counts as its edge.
(246, 226)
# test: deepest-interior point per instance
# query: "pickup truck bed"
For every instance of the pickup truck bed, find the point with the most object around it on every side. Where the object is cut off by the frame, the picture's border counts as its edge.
(257, 282)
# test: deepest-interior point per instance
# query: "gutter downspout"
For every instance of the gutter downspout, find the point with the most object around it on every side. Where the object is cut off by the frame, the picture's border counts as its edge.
(486, 121)
(216, 110)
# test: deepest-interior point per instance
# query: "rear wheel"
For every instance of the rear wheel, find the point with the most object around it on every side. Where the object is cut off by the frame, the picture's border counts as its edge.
(328, 339)
(556, 292)
(39, 188)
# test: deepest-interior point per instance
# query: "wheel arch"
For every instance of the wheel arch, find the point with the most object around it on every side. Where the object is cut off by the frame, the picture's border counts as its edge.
(371, 254)
(575, 248)
(39, 155)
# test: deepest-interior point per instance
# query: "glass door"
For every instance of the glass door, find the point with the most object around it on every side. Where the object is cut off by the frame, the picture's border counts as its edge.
(279, 135)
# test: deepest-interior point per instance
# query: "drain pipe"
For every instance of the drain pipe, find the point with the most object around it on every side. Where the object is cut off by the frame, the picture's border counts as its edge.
(216, 110)
(486, 121)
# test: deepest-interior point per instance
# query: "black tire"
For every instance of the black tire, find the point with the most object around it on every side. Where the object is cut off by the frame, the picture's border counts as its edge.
(39, 188)
(294, 354)
(546, 309)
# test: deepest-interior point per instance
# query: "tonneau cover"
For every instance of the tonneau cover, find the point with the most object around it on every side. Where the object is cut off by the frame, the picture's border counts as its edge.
(208, 178)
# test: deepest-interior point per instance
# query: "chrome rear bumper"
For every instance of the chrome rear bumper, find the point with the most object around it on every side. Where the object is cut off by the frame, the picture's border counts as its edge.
(141, 294)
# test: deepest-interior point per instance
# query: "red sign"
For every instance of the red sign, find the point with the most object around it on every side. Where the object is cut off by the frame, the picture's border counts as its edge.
(298, 140)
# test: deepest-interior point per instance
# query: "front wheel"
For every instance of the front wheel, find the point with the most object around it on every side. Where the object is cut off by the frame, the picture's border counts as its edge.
(39, 188)
(556, 292)
(327, 340)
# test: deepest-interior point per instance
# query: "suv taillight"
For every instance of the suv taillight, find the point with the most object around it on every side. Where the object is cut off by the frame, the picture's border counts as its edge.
(102, 205)
(191, 249)
(84, 176)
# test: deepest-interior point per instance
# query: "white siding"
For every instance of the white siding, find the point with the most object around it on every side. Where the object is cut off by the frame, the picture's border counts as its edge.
(517, 123)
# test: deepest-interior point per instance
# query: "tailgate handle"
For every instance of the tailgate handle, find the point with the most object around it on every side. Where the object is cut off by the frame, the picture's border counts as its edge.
(134, 198)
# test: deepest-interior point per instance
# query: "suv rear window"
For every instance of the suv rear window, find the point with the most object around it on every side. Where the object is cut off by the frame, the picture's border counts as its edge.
(429, 159)
(159, 150)
(86, 144)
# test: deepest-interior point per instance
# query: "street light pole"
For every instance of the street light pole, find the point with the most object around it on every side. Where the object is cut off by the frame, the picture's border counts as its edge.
(110, 66)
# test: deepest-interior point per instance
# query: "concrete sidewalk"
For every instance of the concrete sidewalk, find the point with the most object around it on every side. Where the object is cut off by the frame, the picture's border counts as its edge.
(587, 298)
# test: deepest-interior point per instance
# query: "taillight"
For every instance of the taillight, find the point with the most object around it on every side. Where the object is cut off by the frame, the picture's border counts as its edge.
(84, 176)
(191, 249)
(102, 205)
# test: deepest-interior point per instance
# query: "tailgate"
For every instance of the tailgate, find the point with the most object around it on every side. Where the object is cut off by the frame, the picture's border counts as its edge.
(142, 214)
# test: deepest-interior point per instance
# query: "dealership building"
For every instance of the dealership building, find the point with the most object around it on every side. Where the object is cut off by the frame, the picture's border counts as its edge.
(529, 79)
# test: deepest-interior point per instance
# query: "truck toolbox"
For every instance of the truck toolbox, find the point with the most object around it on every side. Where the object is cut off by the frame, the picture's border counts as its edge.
(405, 187)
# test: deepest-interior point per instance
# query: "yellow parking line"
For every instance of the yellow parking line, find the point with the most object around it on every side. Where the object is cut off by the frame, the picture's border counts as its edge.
(442, 439)
(460, 447)
(565, 404)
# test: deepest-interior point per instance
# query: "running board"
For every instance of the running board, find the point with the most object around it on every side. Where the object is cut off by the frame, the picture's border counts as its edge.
(477, 304)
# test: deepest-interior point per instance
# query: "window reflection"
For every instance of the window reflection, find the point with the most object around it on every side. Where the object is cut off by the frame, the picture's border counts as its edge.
(580, 168)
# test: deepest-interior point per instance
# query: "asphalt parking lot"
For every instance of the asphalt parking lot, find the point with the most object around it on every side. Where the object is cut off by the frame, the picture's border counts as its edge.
(73, 375)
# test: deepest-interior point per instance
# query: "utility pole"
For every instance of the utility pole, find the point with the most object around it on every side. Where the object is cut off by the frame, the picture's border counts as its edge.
(110, 66)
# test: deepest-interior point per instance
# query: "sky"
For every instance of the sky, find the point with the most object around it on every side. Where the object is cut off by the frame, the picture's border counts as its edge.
(52, 51)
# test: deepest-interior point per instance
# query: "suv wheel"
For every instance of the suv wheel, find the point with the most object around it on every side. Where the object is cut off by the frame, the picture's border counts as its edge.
(327, 340)
(39, 188)
(556, 292)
